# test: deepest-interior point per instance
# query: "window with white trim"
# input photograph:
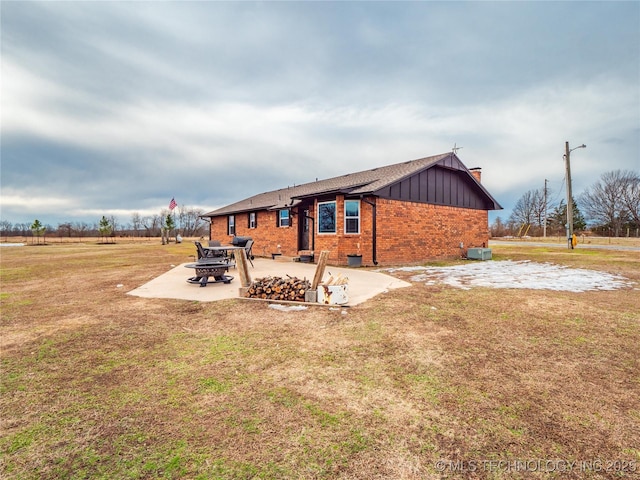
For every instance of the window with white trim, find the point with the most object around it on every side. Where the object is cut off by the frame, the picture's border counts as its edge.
(231, 225)
(283, 218)
(327, 217)
(352, 216)
(253, 219)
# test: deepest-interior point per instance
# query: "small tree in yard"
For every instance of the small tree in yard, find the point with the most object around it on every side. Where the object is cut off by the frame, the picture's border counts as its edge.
(105, 228)
(38, 230)
(169, 225)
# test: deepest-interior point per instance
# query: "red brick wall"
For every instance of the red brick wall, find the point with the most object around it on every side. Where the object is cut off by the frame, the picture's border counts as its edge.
(413, 232)
(407, 232)
(266, 235)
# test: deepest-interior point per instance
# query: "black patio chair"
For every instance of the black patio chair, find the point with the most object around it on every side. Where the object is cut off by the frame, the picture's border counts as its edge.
(247, 249)
(204, 253)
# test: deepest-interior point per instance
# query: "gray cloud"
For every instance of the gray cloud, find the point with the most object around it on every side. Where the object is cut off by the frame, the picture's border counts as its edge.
(119, 106)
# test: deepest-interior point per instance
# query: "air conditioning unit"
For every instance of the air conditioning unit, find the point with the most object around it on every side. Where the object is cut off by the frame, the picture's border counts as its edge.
(479, 253)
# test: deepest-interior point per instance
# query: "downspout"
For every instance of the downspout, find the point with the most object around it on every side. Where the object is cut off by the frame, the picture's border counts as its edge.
(374, 247)
(210, 222)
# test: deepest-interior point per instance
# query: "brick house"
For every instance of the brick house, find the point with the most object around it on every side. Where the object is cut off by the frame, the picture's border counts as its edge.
(409, 212)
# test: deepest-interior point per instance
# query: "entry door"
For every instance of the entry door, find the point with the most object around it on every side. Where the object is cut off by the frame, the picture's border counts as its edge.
(303, 228)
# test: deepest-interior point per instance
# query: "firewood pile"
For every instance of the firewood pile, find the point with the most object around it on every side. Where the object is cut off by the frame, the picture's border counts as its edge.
(278, 288)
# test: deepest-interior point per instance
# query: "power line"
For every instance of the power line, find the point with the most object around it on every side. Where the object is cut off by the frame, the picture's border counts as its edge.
(560, 192)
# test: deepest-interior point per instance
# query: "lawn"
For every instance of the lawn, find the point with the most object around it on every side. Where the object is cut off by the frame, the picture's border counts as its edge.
(419, 383)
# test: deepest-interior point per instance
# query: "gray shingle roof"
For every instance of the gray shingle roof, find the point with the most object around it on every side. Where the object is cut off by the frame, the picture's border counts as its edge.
(359, 183)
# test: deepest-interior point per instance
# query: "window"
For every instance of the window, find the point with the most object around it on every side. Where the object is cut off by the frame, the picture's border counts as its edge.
(352, 216)
(327, 217)
(253, 219)
(283, 218)
(231, 225)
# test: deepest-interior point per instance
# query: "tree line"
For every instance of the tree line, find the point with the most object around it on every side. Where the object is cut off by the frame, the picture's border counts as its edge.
(609, 207)
(184, 221)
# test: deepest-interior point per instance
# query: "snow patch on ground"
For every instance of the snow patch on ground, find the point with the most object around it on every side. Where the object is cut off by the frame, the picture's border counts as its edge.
(521, 274)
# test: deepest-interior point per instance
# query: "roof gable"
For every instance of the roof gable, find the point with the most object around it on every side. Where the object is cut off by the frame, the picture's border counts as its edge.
(446, 182)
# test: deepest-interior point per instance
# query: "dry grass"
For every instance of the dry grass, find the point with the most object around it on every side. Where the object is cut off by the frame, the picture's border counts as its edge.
(99, 384)
(590, 240)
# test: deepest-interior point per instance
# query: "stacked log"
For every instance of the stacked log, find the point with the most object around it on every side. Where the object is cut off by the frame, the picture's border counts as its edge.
(277, 288)
(339, 280)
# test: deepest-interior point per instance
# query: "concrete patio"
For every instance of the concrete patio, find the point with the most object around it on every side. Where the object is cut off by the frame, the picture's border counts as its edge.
(363, 284)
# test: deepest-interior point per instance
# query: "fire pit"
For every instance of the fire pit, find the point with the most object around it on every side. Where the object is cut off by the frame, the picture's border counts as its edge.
(210, 269)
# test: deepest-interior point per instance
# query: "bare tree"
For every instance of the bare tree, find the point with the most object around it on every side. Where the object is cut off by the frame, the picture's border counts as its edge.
(113, 221)
(64, 229)
(5, 228)
(23, 228)
(152, 224)
(145, 222)
(539, 207)
(631, 195)
(81, 228)
(498, 228)
(604, 202)
(136, 222)
(529, 209)
(190, 221)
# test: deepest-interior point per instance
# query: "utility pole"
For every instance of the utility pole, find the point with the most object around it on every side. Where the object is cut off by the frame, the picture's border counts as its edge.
(567, 164)
(544, 228)
(569, 195)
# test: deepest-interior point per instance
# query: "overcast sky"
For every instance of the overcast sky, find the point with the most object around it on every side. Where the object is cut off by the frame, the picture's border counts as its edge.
(110, 108)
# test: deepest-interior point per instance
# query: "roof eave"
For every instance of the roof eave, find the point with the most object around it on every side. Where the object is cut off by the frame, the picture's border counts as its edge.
(332, 191)
(225, 211)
